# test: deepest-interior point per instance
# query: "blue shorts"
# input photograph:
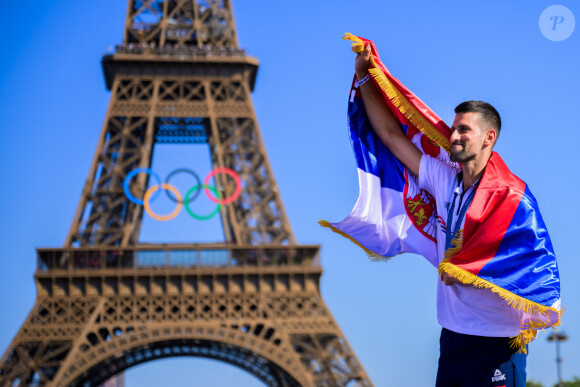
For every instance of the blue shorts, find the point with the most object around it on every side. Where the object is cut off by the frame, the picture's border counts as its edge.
(477, 361)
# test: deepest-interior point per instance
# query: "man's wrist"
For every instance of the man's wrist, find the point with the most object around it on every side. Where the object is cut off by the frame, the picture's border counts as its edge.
(358, 83)
(361, 74)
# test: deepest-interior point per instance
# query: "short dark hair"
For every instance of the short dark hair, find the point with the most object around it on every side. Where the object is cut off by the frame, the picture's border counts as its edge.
(489, 116)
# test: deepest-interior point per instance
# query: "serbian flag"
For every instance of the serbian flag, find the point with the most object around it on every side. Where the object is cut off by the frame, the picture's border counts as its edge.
(504, 245)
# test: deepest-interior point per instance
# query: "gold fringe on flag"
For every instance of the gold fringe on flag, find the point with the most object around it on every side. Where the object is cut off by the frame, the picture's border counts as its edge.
(373, 257)
(358, 45)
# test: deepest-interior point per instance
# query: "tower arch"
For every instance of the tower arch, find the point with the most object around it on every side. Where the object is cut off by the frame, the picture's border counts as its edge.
(263, 363)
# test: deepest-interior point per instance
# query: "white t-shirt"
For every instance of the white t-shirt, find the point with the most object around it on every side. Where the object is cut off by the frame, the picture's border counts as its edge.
(463, 308)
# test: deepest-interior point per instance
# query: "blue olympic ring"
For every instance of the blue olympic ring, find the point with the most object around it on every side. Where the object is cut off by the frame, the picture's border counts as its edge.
(132, 174)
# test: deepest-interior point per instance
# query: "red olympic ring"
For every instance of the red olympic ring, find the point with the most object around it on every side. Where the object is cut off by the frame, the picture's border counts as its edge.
(236, 178)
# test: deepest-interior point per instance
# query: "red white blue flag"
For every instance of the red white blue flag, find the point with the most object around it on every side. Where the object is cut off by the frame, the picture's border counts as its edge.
(504, 246)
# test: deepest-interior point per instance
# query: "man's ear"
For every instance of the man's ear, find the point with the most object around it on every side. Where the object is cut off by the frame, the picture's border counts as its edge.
(489, 137)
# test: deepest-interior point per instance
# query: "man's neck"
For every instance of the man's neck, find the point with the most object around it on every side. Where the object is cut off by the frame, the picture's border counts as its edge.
(473, 170)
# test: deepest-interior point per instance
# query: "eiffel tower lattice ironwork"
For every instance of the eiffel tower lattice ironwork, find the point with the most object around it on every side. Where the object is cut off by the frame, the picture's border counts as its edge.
(252, 301)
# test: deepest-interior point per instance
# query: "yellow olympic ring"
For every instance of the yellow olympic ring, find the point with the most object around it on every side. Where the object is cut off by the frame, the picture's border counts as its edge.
(152, 190)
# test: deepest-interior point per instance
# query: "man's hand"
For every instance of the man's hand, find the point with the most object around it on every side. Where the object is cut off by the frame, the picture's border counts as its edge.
(448, 280)
(361, 63)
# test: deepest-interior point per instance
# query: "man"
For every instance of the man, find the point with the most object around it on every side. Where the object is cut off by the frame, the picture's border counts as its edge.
(477, 324)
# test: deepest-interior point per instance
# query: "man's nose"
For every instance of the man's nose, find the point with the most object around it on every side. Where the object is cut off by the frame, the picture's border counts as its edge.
(454, 136)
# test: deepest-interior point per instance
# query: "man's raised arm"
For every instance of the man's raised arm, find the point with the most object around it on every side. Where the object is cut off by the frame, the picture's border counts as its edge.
(382, 119)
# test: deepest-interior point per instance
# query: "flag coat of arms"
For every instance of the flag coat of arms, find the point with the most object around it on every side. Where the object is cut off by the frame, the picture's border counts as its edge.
(504, 245)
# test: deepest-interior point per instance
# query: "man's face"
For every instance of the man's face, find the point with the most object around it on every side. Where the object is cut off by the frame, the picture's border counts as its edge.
(467, 137)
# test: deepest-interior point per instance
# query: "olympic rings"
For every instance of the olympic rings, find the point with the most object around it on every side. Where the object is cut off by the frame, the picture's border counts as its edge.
(153, 192)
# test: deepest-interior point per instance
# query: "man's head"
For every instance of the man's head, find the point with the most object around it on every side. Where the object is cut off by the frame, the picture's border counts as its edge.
(475, 130)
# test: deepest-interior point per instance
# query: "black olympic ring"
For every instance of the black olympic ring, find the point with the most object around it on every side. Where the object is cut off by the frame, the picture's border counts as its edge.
(197, 182)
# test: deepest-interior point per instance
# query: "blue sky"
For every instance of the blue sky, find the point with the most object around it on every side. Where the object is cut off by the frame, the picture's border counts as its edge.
(53, 103)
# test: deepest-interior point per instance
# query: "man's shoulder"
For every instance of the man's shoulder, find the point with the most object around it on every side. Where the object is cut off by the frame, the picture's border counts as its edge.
(436, 175)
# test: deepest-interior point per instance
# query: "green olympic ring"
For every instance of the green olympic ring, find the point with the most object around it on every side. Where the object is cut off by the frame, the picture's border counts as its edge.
(194, 215)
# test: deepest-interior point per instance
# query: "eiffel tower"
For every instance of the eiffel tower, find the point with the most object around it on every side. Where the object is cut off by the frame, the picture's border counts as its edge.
(106, 303)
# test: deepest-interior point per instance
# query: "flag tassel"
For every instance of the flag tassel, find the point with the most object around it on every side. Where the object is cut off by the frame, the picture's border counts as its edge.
(374, 257)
